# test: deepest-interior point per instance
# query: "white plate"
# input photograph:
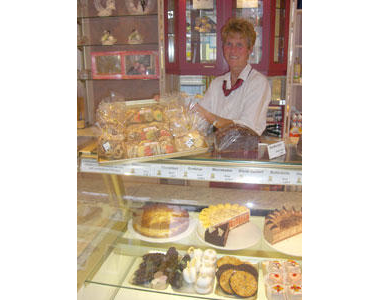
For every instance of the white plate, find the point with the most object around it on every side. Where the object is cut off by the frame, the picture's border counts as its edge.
(291, 246)
(188, 231)
(244, 236)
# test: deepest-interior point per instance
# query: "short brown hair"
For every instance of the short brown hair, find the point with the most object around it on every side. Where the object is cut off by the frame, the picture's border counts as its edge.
(241, 26)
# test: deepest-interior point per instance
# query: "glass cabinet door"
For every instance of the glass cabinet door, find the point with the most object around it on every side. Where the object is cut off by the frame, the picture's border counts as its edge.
(252, 11)
(201, 34)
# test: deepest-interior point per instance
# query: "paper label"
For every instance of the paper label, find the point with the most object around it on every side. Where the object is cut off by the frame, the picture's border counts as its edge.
(203, 4)
(247, 3)
(106, 146)
(276, 149)
(196, 173)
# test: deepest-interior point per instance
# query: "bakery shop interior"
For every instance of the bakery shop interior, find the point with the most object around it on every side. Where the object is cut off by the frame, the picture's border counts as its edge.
(189, 142)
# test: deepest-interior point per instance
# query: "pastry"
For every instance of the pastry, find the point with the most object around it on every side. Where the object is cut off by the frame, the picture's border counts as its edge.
(276, 292)
(210, 256)
(274, 278)
(292, 266)
(224, 280)
(243, 283)
(294, 278)
(275, 266)
(214, 215)
(282, 224)
(228, 260)
(294, 292)
(160, 221)
(217, 235)
(204, 284)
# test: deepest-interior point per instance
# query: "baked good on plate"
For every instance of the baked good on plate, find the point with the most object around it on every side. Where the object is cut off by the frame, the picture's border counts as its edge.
(160, 220)
(215, 215)
(217, 235)
(282, 224)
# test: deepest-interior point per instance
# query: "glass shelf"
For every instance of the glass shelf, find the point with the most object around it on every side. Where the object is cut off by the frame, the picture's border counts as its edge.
(116, 16)
(94, 45)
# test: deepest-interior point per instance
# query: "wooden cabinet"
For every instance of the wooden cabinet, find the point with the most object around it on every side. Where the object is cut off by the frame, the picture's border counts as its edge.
(123, 19)
(193, 35)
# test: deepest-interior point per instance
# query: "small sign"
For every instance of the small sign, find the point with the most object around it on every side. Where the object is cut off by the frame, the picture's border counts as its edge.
(203, 4)
(276, 149)
(247, 3)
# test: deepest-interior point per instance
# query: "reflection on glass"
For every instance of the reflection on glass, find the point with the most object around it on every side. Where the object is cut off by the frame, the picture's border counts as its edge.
(171, 31)
(201, 40)
(253, 13)
(108, 64)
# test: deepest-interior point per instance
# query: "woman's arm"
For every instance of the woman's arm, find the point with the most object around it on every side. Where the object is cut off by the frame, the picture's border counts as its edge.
(217, 121)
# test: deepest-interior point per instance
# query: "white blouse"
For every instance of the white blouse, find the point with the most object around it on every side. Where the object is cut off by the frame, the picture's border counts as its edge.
(247, 105)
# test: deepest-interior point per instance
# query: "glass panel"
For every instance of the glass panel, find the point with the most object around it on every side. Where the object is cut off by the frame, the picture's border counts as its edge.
(201, 39)
(171, 31)
(252, 11)
(279, 32)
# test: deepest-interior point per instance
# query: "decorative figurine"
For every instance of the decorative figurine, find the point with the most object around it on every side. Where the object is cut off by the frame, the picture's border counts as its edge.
(135, 37)
(107, 38)
(140, 6)
(104, 11)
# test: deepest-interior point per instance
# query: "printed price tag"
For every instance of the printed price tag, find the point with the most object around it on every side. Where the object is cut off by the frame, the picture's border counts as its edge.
(92, 166)
(276, 149)
(196, 173)
(255, 175)
(167, 171)
(279, 177)
(223, 174)
(140, 170)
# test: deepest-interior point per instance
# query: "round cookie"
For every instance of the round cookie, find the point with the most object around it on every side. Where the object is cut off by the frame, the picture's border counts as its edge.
(224, 281)
(243, 284)
(228, 260)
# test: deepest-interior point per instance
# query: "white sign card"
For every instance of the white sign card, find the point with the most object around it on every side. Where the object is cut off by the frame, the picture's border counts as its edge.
(276, 149)
(203, 4)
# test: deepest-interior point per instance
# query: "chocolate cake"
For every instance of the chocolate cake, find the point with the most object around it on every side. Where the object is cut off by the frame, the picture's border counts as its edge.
(217, 235)
(282, 224)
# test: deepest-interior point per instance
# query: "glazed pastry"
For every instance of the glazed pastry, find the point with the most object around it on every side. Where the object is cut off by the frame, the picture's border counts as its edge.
(275, 266)
(292, 266)
(294, 292)
(294, 278)
(190, 272)
(210, 256)
(204, 284)
(274, 278)
(276, 292)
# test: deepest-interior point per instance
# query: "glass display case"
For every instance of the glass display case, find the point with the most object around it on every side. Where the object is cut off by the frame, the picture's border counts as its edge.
(112, 241)
(193, 35)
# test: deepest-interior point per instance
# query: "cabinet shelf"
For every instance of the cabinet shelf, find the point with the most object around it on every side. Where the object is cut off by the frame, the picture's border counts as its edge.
(115, 16)
(115, 45)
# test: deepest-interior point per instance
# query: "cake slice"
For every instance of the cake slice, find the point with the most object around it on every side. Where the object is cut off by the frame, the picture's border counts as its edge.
(215, 215)
(217, 235)
(282, 224)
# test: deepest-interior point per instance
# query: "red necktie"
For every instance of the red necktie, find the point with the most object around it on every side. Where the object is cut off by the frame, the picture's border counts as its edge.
(227, 92)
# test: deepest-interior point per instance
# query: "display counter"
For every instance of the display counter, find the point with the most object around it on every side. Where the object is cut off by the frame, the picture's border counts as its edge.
(110, 248)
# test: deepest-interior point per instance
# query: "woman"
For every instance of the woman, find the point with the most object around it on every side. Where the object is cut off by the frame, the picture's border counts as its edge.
(240, 97)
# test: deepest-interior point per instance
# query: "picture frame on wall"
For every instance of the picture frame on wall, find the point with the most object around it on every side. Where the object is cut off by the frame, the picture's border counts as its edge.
(125, 65)
(141, 65)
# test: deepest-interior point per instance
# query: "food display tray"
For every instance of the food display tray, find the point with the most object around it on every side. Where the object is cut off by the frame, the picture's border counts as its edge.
(216, 292)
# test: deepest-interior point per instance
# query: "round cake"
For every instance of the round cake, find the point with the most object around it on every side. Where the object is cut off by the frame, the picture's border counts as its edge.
(160, 220)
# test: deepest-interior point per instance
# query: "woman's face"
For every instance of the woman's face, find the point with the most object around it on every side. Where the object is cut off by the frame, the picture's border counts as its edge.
(236, 52)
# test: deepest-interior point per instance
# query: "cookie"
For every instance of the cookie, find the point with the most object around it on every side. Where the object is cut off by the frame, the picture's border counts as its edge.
(243, 284)
(224, 281)
(228, 260)
(223, 268)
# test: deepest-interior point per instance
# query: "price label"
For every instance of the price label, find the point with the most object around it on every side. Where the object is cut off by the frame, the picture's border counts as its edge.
(223, 174)
(92, 166)
(141, 170)
(255, 175)
(195, 173)
(276, 149)
(167, 171)
(279, 177)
